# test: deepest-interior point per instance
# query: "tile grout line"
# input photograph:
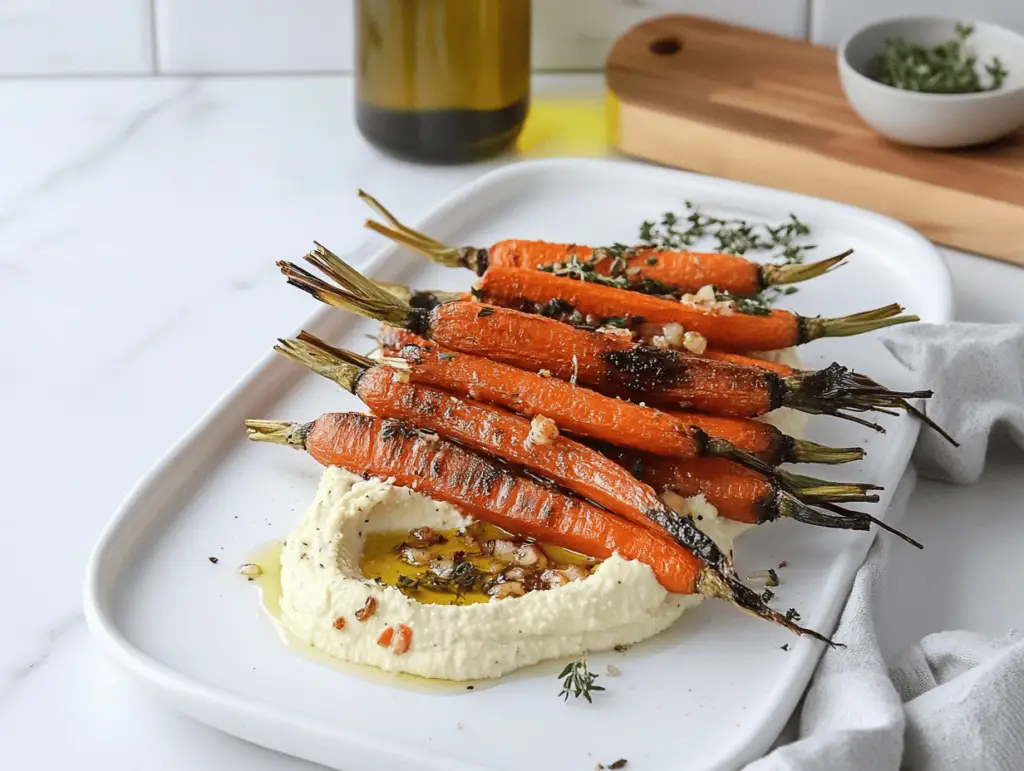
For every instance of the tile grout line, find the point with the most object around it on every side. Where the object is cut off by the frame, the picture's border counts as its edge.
(808, 18)
(154, 53)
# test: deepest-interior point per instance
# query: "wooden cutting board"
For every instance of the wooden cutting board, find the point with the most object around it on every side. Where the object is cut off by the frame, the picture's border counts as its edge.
(756, 107)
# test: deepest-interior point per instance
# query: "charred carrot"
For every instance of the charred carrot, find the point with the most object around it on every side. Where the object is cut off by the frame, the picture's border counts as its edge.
(715, 321)
(494, 431)
(739, 493)
(490, 492)
(604, 361)
(586, 413)
(394, 394)
(657, 271)
(865, 382)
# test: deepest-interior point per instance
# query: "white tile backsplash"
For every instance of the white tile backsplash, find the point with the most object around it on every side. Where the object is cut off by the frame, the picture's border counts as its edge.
(237, 36)
(315, 35)
(833, 20)
(56, 37)
(577, 34)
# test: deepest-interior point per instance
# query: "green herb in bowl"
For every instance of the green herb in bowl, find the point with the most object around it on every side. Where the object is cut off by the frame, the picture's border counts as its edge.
(946, 68)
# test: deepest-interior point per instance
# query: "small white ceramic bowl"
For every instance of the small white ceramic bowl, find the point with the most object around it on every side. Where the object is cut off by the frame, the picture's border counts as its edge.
(935, 120)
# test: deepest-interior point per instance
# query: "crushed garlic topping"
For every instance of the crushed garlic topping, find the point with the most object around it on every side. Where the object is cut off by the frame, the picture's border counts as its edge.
(695, 342)
(705, 300)
(616, 331)
(543, 430)
(672, 336)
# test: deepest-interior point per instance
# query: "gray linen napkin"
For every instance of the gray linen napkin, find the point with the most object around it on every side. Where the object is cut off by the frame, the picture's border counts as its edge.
(956, 699)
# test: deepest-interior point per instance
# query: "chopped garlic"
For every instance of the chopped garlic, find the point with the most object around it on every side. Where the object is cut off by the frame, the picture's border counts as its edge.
(706, 294)
(673, 333)
(543, 430)
(399, 376)
(616, 332)
(660, 341)
(695, 342)
(251, 570)
(705, 299)
(544, 373)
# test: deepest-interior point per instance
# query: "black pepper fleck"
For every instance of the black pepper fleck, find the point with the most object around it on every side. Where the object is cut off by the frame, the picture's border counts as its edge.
(214, 560)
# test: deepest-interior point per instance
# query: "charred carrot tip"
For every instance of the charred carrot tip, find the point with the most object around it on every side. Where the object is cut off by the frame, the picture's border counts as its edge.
(278, 432)
(323, 362)
(358, 294)
(733, 591)
(837, 391)
(870, 520)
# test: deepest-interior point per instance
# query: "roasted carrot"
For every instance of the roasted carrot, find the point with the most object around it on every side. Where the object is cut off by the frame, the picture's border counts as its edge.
(586, 413)
(865, 382)
(782, 370)
(658, 271)
(394, 394)
(604, 361)
(723, 329)
(489, 429)
(490, 492)
(739, 493)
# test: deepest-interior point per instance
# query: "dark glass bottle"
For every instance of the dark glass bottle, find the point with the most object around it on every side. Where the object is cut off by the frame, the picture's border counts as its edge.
(442, 81)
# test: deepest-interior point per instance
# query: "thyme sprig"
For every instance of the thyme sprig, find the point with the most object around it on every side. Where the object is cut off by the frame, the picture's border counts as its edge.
(586, 269)
(735, 236)
(578, 680)
(946, 68)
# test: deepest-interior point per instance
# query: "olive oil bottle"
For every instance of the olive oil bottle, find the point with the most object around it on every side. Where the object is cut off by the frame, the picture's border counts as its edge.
(442, 81)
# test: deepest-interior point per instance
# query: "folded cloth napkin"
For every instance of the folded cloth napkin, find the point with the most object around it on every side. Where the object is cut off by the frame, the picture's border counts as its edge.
(956, 699)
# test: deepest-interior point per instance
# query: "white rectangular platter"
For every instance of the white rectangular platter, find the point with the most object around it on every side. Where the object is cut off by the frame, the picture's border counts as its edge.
(710, 693)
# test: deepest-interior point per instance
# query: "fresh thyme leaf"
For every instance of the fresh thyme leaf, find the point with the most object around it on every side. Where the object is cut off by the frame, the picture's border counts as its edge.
(946, 68)
(555, 308)
(773, 578)
(736, 236)
(578, 681)
(445, 356)
(752, 306)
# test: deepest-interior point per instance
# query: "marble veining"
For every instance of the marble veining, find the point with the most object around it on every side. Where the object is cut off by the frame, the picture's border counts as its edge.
(41, 654)
(138, 216)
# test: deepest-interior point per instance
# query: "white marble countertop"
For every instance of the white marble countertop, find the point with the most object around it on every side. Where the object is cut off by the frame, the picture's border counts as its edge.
(137, 217)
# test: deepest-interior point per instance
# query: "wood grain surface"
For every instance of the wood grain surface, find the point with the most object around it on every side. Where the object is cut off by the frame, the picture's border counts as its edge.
(751, 106)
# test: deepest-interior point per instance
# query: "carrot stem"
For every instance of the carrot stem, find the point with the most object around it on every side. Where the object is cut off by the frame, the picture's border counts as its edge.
(806, 451)
(776, 275)
(449, 256)
(278, 432)
(855, 324)
(712, 584)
